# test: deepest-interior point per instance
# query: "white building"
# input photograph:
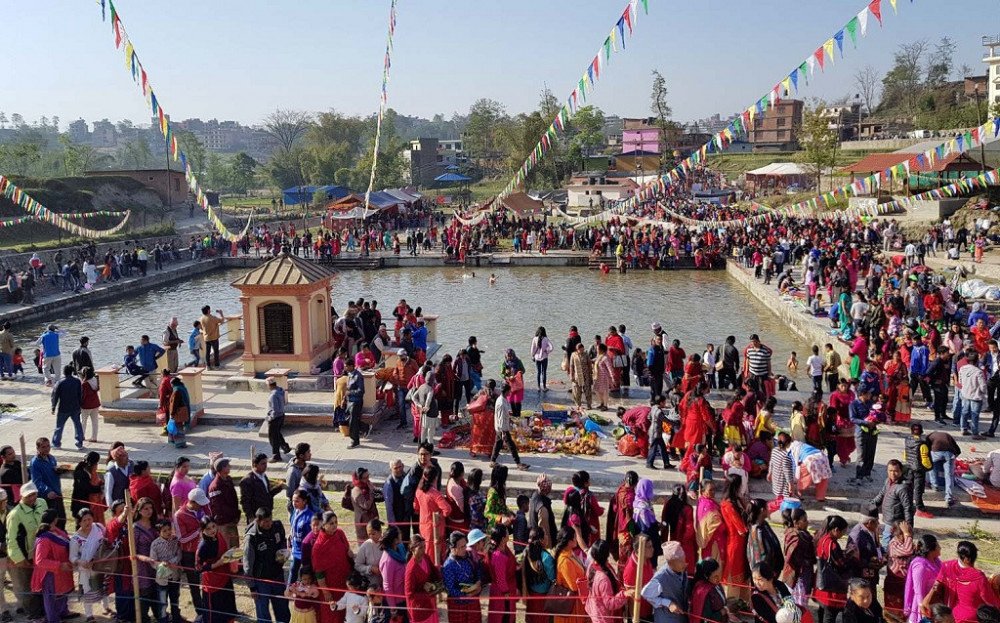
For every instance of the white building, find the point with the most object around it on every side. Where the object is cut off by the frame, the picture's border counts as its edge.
(595, 191)
(992, 60)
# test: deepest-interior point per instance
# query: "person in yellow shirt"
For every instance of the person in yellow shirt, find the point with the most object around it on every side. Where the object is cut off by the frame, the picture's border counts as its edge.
(210, 327)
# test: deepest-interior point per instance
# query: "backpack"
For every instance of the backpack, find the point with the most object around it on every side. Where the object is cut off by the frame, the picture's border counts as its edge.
(347, 502)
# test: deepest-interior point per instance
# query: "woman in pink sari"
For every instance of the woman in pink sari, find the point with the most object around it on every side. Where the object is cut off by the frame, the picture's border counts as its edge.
(961, 586)
(709, 529)
(921, 575)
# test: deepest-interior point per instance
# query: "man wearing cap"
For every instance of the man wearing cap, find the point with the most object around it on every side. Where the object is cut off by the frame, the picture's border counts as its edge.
(667, 591)
(51, 357)
(256, 490)
(276, 402)
(42, 470)
(224, 503)
(117, 476)
(67, 403)
(265, 537)
(540, 511)
(399, 375)
(22, 526)
(187, 526)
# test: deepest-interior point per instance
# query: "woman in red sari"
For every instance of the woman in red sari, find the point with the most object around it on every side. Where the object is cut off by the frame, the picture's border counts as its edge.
(332, 561)
(840, 401)
(697, 418)
(897, 388)
(694, 373)
(734, 558)
(618, 356)
(421, 575)
(619, 517)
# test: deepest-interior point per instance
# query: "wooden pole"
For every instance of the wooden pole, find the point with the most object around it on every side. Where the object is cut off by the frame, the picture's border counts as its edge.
(434, 539)
(130, 523)
(24, 465)
(637, 600)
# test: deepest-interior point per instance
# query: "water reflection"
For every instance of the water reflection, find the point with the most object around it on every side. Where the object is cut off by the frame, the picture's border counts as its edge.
(694, 307)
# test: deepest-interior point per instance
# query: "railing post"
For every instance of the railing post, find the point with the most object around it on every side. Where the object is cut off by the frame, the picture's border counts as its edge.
(108, 385)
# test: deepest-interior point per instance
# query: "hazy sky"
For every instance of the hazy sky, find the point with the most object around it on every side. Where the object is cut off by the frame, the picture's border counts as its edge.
(240, 59)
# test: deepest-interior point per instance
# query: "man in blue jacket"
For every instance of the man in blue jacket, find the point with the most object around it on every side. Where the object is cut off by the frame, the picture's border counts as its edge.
(45, 477)
(51, 355)
(147, 354)
(919, 361)
(66, 405)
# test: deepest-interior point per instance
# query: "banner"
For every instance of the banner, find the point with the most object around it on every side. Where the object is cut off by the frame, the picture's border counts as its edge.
(141, 78)
(383, 102)
(41, 213)
(592, 73)
(745, 121)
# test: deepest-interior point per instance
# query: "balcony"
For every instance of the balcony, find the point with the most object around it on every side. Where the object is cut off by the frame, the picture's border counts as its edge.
(991, 42)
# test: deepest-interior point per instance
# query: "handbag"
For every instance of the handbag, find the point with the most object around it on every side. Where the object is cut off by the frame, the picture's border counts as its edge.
(621, 361)
(559, 601)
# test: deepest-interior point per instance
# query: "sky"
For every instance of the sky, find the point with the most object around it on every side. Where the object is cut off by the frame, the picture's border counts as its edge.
(242, 59)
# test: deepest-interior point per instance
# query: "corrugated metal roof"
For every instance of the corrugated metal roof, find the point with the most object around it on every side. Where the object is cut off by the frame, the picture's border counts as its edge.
(285, 270)
(873, 163)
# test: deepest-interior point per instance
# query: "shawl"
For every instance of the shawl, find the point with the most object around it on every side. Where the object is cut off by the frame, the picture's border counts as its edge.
(642, 506)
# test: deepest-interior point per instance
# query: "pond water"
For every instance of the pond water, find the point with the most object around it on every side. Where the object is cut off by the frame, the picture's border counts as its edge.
(693, 306)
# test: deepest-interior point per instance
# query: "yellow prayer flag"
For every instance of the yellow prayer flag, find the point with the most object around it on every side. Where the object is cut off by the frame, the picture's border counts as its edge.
(787, 85)
(828, 46)
(129, 49)
(893, 3)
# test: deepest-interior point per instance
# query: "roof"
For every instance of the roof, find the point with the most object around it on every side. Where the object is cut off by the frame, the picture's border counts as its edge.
(880, 162)
(402, 195)
(285, 270)
(452, 177)
(520, 203)
(780, 168)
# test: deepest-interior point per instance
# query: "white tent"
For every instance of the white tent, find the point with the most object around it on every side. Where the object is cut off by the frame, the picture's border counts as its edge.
(780, 174)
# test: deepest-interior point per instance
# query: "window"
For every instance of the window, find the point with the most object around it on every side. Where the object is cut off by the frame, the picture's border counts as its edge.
(276, 328)
(781, 122)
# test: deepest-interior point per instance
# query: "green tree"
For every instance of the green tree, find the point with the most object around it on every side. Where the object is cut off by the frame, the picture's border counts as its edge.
(20, 158)
(242, 172)
(663, 112)
(134, 155)
(77, 158)
(818, 140)
(484, 132)
(901, 85)
(588, 123)
(195, 151)
(216, 172)
(285, 168)
(940, 64)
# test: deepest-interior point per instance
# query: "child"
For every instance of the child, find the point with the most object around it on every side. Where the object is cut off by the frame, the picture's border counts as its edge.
(816, 307)
(735, 461)
(38, 360)
(520, 527)
(18, 362)
(195, 340)
(793, 363)
(707, 601)
(763, 425)
(165, 556)
(732, 417)
(797, 423)
(639, 368)
(940, 613)
(697, 465)
(306, 595)
(355, 600)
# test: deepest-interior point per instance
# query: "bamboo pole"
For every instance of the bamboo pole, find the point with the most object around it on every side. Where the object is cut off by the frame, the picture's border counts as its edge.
(434, 539)
(24, 466)
(130, 523)
(637, 600)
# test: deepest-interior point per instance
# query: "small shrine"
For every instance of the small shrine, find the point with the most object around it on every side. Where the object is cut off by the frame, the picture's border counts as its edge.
(286, 315)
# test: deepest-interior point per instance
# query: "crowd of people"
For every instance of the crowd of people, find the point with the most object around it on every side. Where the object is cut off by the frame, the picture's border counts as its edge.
(448, 542)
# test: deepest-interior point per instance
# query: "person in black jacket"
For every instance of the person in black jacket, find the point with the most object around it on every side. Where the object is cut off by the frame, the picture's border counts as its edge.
(11, 478)
(264, 538)
(861, 606)
(894, 500)
(67, 397)
(83, 488)
(257, 491)
(81, 356)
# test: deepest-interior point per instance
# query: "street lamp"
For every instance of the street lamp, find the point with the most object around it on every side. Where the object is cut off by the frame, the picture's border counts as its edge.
(979, 120)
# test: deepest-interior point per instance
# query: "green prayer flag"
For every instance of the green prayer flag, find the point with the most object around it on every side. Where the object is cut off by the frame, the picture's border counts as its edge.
(607, 48)
(645, 6)
(852, 29)
(804, 71)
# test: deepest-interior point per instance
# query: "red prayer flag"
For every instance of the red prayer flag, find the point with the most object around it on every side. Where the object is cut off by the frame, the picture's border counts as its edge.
(819, 54)
(628, 18)
(975, 135)
(116, 26)
(876, 8)
(597, 68)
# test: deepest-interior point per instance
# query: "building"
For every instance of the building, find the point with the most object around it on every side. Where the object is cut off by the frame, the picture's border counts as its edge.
(778, 128)
(79, 132)
(640, 135)
(992, 60)
(924, 175)
(105, 134)
(170, 186)
(425, 163)
(594, 190)
(972, 84)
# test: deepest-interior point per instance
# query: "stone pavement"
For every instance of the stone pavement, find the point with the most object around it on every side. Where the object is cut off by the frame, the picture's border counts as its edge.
(236, 417)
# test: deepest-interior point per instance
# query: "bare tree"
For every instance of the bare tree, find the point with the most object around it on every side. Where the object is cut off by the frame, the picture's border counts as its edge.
(869, 85)
(287, 127)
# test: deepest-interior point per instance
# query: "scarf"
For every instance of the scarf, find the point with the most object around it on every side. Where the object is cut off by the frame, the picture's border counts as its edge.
(398, 553)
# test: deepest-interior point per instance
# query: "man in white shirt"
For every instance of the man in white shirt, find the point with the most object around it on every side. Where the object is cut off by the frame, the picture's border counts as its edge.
(501, 423)
(814, 366)
(973, 392)
(858, 312)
